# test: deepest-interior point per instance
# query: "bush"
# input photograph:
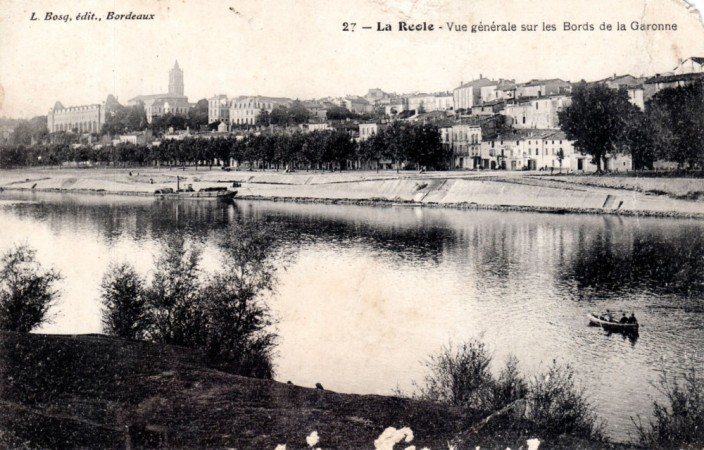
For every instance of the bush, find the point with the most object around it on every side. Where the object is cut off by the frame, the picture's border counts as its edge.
(551, 404)
(26, 290)
(679, 423)
(125, 313)
(173, 298)
(239, 322)
(510, 386)
(555, 405)
(237, 333)
(223, 314)
(460, 377)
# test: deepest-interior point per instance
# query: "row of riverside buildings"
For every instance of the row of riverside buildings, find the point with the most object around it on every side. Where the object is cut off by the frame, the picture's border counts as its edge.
(467, 117)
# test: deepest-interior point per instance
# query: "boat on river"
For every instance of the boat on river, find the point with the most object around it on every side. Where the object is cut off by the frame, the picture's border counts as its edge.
(222, 194)
(610, 325)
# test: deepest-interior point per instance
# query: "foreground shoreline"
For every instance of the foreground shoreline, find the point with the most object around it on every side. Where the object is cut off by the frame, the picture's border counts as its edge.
(106, 392)
(455, 190)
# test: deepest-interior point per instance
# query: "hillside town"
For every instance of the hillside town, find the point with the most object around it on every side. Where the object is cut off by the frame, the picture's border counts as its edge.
(482, 124)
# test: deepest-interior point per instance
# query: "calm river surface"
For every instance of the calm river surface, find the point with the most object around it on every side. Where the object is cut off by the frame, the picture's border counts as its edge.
(371, 292)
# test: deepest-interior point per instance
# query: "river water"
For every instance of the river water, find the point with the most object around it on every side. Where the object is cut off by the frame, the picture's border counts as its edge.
(371, 292)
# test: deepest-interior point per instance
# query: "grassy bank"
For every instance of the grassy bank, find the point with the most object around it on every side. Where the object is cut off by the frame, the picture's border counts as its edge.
(99, 392)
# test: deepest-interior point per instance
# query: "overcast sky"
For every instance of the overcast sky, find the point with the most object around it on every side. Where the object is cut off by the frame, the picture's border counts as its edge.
(298, 49)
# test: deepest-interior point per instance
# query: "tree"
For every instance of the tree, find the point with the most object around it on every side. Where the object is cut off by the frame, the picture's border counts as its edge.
(239, 335)
(298, 113)
(372, 149)
(596, 120)
(263, 119)
(223, 314)
(427, 149)
(676, 119)
(338, 113)
(639, 140)
(124, 313)
(172, 297)
(394, 137)
(26, 290)
(26, 132)
(198, 114)
(279, 116)
(340, 147)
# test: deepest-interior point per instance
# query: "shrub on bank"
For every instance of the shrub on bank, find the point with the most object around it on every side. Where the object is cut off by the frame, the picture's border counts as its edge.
(222, 314)
(123, 297)
(26, 290)
(460, 376)
(555, 405)
(679, 421)
(550, 405)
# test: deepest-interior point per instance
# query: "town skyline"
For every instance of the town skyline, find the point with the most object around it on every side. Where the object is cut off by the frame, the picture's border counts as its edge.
(300, 51)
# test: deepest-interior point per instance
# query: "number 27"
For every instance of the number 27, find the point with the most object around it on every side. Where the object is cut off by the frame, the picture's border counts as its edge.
(348, 26)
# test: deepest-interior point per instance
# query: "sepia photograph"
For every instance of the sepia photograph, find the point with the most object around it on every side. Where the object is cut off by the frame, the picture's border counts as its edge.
(370, 224)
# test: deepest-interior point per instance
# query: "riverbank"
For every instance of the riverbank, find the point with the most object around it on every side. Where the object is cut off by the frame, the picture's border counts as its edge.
(481, 190)
(93, 391)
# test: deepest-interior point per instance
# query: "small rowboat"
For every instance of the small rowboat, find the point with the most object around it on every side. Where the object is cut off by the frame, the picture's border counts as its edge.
(596, 321)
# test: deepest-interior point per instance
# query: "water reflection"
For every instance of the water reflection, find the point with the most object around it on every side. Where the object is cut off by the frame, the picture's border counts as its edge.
(373, 291)
(664, 258)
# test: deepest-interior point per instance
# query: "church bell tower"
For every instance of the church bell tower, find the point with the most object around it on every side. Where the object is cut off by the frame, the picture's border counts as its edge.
(176, 80)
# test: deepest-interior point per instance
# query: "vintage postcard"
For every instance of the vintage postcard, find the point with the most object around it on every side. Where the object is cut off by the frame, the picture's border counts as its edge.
(372, 224)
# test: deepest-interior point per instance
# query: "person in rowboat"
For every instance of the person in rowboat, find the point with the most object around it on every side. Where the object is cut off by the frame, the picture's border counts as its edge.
(632, 319)
(624, 319)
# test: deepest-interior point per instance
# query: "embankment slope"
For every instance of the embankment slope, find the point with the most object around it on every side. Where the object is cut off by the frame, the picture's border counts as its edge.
(93, 391)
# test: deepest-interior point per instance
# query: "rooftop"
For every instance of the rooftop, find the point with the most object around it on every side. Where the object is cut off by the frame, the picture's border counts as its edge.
(673, 78)
(481, 82)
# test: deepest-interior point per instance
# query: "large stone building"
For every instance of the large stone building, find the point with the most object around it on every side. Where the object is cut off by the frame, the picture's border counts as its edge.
(218, 109)
(537, 112)
(469, 94)
(632, 85)
(244, 110)
(466, 143)
(173, 102)
(367, 130)
(77, 119)
(542, 150)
